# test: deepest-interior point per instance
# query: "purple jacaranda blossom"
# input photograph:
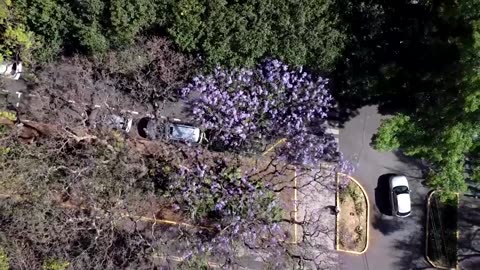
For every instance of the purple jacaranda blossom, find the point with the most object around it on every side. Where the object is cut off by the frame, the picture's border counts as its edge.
(220, 205)
(270, 101)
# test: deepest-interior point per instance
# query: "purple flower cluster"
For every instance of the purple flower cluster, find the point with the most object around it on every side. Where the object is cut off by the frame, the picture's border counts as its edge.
(243, 106)
(310, 149)
(269, 102)
(223, 192)
(244, 210)
(346, 168)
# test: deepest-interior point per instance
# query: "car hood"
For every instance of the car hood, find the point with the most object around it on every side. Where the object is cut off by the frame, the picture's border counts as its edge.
(404, 205)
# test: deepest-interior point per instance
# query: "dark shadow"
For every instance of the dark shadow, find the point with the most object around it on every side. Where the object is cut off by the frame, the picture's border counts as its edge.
(410, 250)
(401, 53)
(142, 126)
(386, 225)
(333, 209)
(382, 195)
(473, 191)
(421, 165)
(337, 117)
(469, 233)
(410, 254)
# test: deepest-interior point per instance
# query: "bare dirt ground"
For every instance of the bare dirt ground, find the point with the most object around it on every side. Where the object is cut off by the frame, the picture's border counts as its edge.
(352, 219)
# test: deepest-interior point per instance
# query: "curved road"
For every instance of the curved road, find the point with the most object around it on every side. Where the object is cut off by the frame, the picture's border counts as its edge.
(395, 243)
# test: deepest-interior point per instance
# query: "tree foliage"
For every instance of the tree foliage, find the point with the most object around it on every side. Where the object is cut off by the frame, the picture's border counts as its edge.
(270, 102)
(225, 192)
(53, 264)
(239, 33)
(440, 123)
(15, 39)
(127, 18)
(223, 32)
(4, 260)
(390, 136)
(139, 77)
(90, 27)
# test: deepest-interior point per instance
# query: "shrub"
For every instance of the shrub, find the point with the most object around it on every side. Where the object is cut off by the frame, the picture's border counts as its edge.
(54, 264)
(4, 260)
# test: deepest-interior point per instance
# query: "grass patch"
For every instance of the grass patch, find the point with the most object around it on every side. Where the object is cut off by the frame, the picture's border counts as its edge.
(352, 221)
(442, 231)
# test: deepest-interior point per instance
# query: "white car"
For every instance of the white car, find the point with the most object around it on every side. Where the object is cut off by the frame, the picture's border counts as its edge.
(183, 132)
(400, 196)
(11, 70)
(172, 130)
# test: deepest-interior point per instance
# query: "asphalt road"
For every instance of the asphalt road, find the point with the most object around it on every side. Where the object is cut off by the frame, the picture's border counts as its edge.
(469, 238)
(395, 243)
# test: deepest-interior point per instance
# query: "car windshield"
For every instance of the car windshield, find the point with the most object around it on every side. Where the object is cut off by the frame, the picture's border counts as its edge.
(400, 189)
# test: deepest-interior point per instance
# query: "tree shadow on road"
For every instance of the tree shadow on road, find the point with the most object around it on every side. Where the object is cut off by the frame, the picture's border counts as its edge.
(386, 225)
(337, 117)
(419, 168)
(469, 238)
(410, 253)
(410, 246)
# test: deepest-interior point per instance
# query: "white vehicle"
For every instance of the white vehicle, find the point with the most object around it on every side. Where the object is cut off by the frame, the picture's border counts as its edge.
(183, 132)
(119, 122)
(171, 130)
(400, 196)
(11, 70)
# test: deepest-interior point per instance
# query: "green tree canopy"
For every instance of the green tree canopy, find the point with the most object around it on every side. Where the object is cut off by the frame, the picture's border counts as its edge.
(442, 124)
(91, 26)
(234, 33)
(238, 33)
(14, 38)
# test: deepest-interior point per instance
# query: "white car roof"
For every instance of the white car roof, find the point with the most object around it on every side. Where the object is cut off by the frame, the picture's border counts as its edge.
(404, 205)
(185, 132)
(399, 180)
